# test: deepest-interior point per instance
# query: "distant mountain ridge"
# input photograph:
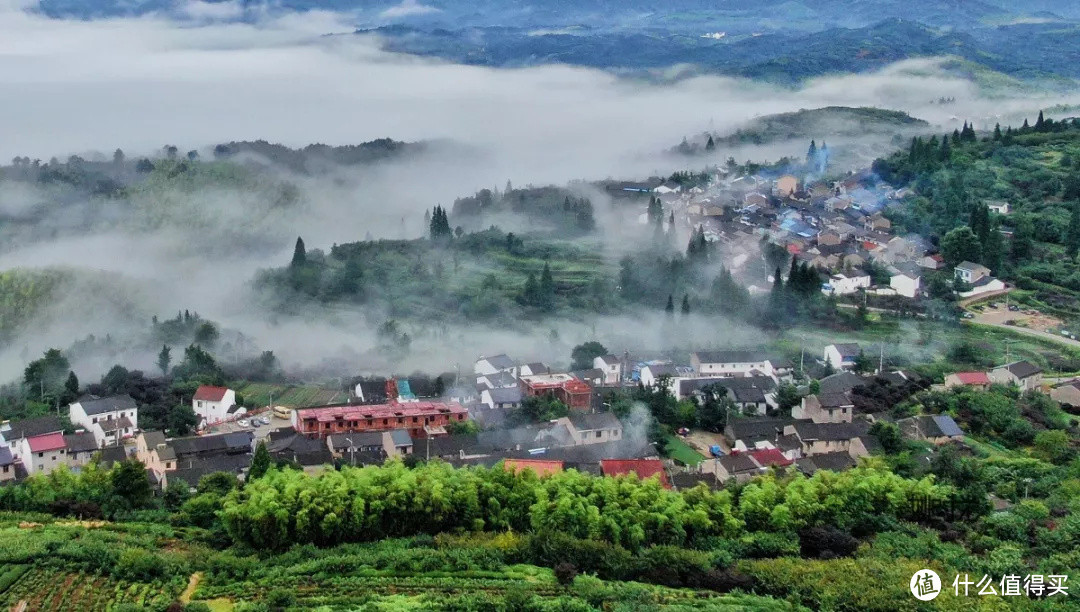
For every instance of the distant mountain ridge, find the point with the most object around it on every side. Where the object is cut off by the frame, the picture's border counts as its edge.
(1023, 50)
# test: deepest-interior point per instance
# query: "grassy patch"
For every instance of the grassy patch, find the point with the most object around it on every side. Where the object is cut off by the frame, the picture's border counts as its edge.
(682, 452)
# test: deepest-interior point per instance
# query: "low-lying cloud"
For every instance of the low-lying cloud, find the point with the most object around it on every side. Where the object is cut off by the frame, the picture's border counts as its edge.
(76, 87)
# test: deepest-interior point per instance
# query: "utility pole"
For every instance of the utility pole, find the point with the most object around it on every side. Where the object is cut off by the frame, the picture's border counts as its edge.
(802, 359)
(881, 359)
(352, 452)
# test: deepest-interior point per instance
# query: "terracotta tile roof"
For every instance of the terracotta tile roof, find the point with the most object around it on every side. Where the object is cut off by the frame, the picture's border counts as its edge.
(47, 442)
(769, 456)
(540, 466)
(644, 468)
(973, 378)
(207, 393)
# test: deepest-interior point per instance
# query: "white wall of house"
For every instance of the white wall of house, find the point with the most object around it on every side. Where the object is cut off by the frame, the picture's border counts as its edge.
(905, 285)
(612, 371)
(833, 357)
(845, 285)
(41, 462)
(213, 412)
(78, 416)
(735, 368)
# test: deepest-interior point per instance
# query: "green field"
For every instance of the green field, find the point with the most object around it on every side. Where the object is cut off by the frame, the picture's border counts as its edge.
(682, 452)
(293, 396)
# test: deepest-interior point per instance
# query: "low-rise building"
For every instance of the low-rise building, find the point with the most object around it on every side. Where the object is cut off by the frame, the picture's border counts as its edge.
(730, 363)
(214, 404)
(1067, 394)
(842, 356)
(7, 464)
(501, 398)
(1023, 374)
(642, 468)
(971, 272)
(110, 419)
(846, 284)
(565, 387)
(936, 429)
(43, 453)
(978, 380)
(540, 467)
(906, 280)
(81, 447)
(495, 363)
(595, 427)
(612, 367)
(421, 419)
(821, 438)
(825, 408)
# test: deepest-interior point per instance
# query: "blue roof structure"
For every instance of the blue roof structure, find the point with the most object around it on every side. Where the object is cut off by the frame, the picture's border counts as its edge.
(947, 425)
(404, 391)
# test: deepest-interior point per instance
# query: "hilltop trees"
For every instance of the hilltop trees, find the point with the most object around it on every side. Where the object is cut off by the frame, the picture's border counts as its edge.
(439, 226)
(46, 379)
(961, 244)
(299, 257)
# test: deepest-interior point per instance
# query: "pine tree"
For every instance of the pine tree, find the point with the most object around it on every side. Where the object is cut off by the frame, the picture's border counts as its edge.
(811, 153)
(260, 462)
(547, 288)
(670, 308)
(299, 256)
(164, 357)
(685, 304)
(709, 144)
(946, 153)
(71, 386)
(530, 295)
(1040, 123)
(997, 132)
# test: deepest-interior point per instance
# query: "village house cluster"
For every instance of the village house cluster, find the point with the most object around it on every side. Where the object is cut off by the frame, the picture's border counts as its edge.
(839, 228)
(385, 420)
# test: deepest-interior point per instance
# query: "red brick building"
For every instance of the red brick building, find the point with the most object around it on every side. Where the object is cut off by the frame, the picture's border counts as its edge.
(575, 393)
(420, 418)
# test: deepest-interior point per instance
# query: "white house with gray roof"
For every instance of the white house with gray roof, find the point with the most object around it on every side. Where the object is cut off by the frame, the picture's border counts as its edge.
(494, 364)
(110, 419)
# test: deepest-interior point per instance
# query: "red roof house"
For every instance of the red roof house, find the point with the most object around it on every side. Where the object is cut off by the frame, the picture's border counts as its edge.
(967, 379)
(770, 456)
(542, 467)
(643, 468)
(207, 393)
(46, 443)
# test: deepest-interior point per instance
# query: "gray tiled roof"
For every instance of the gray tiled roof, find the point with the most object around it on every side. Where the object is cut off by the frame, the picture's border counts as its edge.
(92, 405)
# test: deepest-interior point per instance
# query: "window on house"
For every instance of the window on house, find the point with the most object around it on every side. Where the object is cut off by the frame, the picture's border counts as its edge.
(40, 455)
(95, 419)
(599, 433)
(54, 457)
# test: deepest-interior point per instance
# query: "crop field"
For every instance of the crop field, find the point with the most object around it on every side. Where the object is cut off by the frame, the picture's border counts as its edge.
(44, 588)
(293, 396)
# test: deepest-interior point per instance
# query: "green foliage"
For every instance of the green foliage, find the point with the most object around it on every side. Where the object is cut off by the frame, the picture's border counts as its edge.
(583, 354)
(260, 462)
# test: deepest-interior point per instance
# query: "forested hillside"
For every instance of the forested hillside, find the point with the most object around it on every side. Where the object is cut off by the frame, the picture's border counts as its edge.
(1034, 168)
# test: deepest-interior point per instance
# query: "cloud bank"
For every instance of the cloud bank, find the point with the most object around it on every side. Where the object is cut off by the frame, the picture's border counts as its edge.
(76, 87)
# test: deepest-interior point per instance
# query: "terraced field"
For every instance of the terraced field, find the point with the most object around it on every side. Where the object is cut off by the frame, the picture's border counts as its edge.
(45, 589)
(292, 396)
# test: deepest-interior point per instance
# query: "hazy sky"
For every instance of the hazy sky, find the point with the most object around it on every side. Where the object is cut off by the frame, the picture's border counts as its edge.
(74, 86)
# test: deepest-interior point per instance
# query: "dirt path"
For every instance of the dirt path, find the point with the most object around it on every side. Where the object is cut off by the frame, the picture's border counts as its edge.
(193, 583)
